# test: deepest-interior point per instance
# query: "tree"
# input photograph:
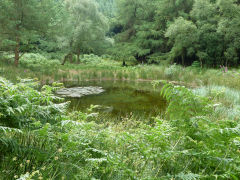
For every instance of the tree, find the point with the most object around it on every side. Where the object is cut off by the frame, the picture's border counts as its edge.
(107, 7)
(22, 21)
(168, 10)
(82, 26)
(138, 37)
(206, 17)
(229, 28)
(144, 24)
(183, 35)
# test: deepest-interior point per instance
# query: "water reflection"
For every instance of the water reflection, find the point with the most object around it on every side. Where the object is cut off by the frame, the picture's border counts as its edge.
(120, 98)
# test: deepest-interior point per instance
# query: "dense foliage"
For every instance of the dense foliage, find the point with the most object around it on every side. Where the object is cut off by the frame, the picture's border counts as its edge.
(40, 140)
(22, 26)
(181, 31)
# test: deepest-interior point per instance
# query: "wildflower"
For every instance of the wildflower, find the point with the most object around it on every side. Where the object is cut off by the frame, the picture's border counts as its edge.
(16, 176)
(28, 161)
(14, 159)
(21, 165)
(60, 150)
(56, 158)
(35, 172)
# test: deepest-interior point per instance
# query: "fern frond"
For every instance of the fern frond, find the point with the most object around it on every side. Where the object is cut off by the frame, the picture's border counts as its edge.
(8, 129)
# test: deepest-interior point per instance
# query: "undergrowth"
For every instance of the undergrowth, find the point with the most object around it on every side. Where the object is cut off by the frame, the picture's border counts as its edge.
(41, 140)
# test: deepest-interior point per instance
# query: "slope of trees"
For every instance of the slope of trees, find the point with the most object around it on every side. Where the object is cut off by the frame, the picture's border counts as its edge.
(181, 31)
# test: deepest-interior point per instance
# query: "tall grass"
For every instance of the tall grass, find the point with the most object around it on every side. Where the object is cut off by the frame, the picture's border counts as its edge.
(227, 100)
(96, 68)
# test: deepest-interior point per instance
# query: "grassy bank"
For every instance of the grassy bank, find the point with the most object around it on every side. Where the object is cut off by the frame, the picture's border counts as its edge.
(107, 69)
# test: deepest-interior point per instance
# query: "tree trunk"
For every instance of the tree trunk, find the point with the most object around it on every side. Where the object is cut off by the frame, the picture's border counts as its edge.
(70, 58)
(182, 59)
(201, 62)
(65, 59)
(124, 63)
(78, 59)
(16, 62)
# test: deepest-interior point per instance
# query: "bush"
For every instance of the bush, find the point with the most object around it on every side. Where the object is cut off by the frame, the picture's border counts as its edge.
(205, 142)
(37, 62)
(21, 105)
(172, 71)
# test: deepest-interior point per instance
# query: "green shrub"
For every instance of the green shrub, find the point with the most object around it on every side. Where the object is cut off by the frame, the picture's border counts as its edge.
(206, 143)
(196, 64)
(27, 117)
(37, 62)
(21, 105)
(172, 71)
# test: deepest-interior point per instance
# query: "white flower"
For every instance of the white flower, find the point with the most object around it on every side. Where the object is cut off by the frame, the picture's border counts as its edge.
(60, 150)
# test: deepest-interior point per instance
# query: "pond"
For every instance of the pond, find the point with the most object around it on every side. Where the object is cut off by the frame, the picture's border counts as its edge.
(120, 98)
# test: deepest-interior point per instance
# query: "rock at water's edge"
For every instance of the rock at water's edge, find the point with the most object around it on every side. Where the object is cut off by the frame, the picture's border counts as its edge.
(77, 92)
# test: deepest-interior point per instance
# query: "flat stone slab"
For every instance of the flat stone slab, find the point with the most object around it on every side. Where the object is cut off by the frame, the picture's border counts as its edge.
(77, 92)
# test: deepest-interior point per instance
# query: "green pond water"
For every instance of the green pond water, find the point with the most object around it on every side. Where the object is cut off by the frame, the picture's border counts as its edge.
(120, 98)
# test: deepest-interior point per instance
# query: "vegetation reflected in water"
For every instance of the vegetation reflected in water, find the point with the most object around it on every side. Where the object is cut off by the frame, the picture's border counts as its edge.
(121, 98)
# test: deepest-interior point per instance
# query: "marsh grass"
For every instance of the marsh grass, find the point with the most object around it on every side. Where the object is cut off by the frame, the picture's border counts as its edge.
(227, 100)
(132, 75)
(109, 69)
(119, 75)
